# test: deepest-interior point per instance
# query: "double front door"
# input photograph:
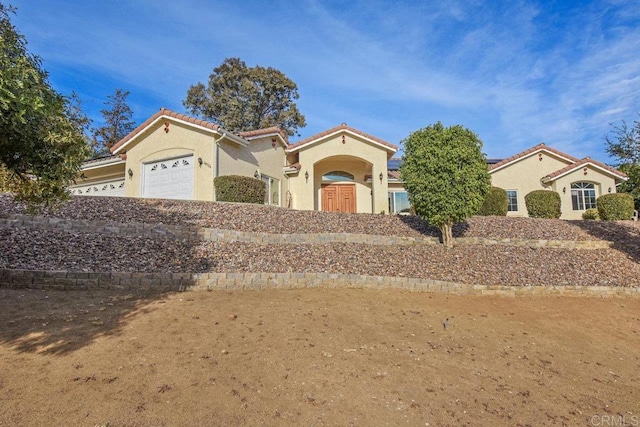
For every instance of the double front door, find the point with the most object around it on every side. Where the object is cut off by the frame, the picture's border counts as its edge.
(339, 198)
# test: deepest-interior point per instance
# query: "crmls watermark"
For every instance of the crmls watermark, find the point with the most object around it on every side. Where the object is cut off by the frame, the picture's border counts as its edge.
(615, 420)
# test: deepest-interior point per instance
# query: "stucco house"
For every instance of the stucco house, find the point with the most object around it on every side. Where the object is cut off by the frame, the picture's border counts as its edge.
(342, 169)
(579, 182)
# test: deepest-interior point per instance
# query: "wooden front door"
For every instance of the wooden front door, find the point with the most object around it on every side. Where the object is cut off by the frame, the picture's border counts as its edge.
(339, 198)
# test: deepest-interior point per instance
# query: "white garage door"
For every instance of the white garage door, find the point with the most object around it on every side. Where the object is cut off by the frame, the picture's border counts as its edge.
(106, 188)
(169, 179)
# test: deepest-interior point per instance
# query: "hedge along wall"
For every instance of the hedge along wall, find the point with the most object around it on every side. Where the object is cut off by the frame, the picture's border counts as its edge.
(495, 203)
(241, 189)
(543, 204)
(615, 207)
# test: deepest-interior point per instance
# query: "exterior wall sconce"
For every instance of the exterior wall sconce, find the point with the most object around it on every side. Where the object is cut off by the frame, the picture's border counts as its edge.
(256, 175)
(130, 172)
(564, 190)
(200, 161)
(381, 176)
(609, 189)
(306, 176)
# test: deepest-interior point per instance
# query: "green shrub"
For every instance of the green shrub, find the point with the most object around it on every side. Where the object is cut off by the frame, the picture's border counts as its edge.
(591, 214)
(616, 206)
(242, 189)
(495, 203)
(543, 204)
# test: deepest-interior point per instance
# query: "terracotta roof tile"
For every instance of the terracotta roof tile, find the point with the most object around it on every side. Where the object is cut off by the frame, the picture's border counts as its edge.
(581, 163)
(531, 150)
(265, 131)
(338, 128)
(168, 113)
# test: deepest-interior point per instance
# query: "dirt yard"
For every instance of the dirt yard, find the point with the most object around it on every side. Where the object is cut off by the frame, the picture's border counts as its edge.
(316, 357)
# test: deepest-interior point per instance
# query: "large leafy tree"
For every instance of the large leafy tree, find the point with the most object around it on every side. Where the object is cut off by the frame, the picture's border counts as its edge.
(118, 123)
(624, 145)
(41, 143)
(445, 173)
(242, 98)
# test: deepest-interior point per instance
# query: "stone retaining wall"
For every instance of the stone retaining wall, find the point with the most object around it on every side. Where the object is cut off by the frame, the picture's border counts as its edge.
(215, 235)
(67, 280)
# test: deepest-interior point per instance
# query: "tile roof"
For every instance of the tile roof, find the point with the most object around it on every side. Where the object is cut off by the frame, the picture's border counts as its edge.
(167, 113)
(583, 162)
(343, 126)
(265, 131)
(531, 150)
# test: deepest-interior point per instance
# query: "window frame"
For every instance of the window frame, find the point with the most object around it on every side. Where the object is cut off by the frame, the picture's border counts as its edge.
(393, 203)
(338, 176)
(512, 200)
(583, 196)
(271, 182)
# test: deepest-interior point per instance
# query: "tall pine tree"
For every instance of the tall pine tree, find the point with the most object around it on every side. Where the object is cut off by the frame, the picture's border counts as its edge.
(118, 123)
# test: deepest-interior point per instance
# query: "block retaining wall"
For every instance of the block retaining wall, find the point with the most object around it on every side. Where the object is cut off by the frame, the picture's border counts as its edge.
(169, 282)
(216, 235)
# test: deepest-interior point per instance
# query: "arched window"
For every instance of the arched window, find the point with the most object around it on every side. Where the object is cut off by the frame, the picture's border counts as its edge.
(583, 196)
(338, 176)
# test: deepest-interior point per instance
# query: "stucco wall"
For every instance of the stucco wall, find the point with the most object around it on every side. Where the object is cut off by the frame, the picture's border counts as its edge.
(355, 156)
(525, 176)
(155, 144)
(261, 155)
(601, 182)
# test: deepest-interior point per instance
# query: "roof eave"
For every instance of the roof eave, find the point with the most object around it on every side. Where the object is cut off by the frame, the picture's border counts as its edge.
(553, 153)
(220, 131)
(102, 164)
(331, 135)
(549, 178)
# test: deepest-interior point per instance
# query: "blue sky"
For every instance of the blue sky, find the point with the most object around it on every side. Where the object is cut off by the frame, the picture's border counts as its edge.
(515, 72)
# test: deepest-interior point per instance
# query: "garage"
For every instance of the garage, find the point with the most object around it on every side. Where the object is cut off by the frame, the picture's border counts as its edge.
(105, 188)
(169, 179)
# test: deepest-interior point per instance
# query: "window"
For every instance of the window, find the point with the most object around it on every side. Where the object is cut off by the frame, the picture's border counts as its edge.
(583, 196)
(338, 176)
(272, 193)
(512, 201)
(399, 202)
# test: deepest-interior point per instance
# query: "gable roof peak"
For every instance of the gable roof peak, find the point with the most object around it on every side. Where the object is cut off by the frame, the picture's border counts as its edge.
(343, 127)
(542, 146)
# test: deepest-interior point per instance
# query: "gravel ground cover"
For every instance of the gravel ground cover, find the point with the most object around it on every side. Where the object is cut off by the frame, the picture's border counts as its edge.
(478, 264)
(270, 219)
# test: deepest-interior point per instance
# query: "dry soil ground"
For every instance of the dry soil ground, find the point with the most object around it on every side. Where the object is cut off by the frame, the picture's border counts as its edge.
(316, 357)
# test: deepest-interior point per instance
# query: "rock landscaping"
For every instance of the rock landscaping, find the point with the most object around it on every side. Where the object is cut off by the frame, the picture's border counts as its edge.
(100, 251)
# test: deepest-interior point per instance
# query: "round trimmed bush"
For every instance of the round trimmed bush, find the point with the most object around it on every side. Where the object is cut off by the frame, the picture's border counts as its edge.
(241, 189)
(543, 204)
(495, 204)
(616, 206)
(591, 214)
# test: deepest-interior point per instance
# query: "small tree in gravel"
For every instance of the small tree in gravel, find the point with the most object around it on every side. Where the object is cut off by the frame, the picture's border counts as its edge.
(445, 173)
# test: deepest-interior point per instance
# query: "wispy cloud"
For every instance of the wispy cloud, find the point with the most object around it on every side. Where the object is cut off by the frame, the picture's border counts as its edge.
(517, 72)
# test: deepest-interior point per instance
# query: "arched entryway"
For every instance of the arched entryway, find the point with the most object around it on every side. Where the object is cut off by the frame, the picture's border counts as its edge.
(341, 184)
